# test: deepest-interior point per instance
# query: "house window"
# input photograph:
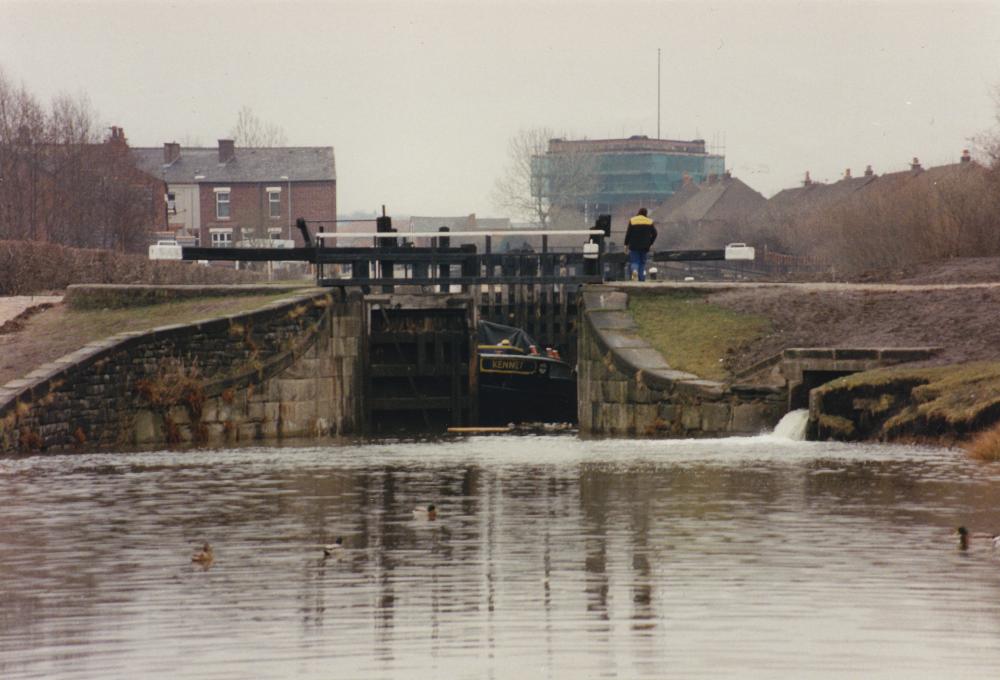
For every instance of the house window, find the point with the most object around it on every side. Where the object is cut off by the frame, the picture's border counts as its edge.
(171, 203)
(222, 238)
(274, 202)
(274, 233)
(222, 204)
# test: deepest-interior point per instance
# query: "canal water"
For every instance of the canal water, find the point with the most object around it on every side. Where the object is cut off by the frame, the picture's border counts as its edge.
(550, 557)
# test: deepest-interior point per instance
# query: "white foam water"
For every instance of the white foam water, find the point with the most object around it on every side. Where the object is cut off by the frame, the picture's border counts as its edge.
(793, 425)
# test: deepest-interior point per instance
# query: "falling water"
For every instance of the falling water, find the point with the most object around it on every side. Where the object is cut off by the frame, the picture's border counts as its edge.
(793, 425)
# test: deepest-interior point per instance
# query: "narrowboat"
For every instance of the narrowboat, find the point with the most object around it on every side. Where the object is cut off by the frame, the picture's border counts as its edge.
(521, 383)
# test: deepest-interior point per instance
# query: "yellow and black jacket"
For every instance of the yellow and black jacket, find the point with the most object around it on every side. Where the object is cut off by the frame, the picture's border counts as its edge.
(640, 234)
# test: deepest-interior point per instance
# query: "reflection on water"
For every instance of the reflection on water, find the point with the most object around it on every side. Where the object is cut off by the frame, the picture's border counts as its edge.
(551, 557)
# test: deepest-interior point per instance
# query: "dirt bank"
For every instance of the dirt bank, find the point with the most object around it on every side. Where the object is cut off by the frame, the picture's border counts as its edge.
(965, 322)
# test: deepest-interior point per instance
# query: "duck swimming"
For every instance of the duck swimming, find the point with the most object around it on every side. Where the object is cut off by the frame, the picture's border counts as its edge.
(964, 535)
(337, 544)
(429, 513)
(204, 556)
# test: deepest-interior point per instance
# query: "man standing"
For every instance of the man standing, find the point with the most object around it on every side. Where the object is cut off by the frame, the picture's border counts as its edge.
(639, 238)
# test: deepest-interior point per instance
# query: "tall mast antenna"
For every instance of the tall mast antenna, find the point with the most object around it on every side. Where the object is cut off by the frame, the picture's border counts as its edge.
(657, 92)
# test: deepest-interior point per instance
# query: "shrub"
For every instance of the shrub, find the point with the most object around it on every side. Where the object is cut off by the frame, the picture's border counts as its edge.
(28, 267)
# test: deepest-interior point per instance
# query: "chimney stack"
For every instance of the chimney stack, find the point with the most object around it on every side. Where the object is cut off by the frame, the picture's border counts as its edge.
(171, 152)
(808, 180)
(966, 157)
(868, 171)
(117, 135)
(227, 150)
(915, 165)
(847, 173)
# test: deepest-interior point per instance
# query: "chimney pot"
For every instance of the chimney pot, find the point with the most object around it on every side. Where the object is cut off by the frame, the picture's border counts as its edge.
(227, 150)
(808, 180)
(847, 173)
(915, 165)
(171, 152)
(966, 157)
(868, 171)
(117, 135)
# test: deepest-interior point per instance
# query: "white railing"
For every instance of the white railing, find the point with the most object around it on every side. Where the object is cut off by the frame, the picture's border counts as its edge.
(460, 234)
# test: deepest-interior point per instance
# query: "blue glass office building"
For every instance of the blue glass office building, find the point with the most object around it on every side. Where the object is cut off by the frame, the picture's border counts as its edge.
(633, 171)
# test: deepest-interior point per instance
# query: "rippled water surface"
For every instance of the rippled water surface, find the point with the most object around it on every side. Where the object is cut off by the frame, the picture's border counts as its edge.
(551, 557)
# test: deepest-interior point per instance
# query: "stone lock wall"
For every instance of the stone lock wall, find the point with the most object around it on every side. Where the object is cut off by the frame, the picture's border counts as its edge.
(290, 369)
(625, 387)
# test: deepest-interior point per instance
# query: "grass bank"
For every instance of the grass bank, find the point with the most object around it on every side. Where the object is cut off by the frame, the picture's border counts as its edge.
(60, 330)
(691, 333)
(944, 403)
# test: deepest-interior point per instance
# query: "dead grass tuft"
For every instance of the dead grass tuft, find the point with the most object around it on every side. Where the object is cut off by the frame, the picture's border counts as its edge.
(985, 445)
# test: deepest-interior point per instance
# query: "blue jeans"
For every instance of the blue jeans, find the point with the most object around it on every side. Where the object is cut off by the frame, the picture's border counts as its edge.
(637, 263)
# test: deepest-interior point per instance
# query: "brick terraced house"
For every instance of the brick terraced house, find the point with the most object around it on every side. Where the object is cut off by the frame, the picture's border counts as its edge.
(222, 196)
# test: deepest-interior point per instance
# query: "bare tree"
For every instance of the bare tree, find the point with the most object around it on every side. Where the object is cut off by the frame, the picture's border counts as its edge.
(542, 186)
(60, 182)
(251, 132)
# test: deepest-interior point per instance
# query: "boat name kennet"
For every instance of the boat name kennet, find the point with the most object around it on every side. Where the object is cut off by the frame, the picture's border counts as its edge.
(507, 364)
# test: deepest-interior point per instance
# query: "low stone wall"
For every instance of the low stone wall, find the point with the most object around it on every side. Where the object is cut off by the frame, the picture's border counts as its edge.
(625, 387)
(808, 367)
(290, 369)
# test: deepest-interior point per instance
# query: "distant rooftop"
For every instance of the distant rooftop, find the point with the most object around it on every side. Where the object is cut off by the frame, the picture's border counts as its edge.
(191, 165)
(635, 143)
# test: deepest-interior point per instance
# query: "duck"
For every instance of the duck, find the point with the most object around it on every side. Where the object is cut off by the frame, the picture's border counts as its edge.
(204, 556)
(337, 544)
(964, 535)
(429, 513)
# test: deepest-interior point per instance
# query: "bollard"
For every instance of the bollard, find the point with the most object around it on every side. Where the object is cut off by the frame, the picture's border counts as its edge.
(444, 270)
(591, 259)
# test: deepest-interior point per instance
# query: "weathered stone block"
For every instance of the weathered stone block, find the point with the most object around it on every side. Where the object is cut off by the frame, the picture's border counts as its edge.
(148, 428)
(715, 417)
(755, 417)
(618, 418)
(215, 433)
(709, 389)
(615, 391)
(297, 390)
(598, 298)
(618, 341)
(179, 415)
(646, 418)
(690, 417)
(638, 393)
(601, 320)
(210, 411)
(645, 358)
(248, 432)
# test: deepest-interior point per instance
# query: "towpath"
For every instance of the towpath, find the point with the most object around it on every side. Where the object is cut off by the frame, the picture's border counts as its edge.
(819, 286)
(13, 305)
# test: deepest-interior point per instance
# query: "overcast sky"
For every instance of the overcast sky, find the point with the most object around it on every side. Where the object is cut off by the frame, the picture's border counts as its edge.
(419, 99)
